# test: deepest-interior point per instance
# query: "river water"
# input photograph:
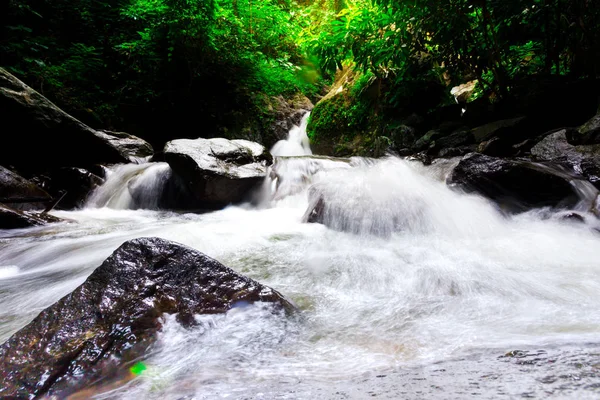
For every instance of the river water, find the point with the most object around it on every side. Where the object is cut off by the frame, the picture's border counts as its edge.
(431, 308)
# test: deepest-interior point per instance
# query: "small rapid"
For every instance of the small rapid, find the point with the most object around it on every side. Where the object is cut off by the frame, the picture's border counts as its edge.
(132, 186)
(297, 142)
(450, 277)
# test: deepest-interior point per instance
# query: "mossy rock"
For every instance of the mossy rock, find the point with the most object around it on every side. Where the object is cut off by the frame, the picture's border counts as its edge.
(343, 121)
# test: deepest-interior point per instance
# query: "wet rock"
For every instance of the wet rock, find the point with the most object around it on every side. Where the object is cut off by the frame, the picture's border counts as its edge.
(131, 147)
(426, 141)
(553, 146)
(20, 193)
(71, 185)
(458, 138)
(286, 114)
(583, 159)
(11, 218)
(315, 213)
(507, 128)
(572, 216)
(451, 152)
(402, 136)
(588, 133)
(515, 184)
(93, 335)
(43, 136)
(218, 171)
(15, 219)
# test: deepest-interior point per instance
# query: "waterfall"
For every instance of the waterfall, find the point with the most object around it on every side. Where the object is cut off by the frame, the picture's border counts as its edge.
(403, 271)
(132, 186)
(297, 143)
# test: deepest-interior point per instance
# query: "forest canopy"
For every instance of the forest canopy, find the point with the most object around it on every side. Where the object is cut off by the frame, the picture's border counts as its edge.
(117, 63)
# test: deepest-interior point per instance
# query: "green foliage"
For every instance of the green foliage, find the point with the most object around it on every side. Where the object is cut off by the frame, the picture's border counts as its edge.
(492, 41)
(159, 65)
(123, 59)
(346, 116)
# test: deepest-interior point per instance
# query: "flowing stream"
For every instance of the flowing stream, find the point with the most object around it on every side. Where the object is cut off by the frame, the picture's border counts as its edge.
(429, 309)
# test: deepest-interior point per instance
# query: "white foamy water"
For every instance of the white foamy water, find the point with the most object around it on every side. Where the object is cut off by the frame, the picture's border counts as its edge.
(132, 186)
(451, 276)
(297, 143)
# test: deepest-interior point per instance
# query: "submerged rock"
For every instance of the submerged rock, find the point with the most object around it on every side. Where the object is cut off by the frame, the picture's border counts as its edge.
(18, 192)
(97, 332)
(39, 135)
(361, 202)
(514, 184)
(218, 171)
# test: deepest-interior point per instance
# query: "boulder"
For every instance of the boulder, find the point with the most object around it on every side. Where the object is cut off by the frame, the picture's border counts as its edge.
(588, 133)
(508, 129)
(428, 140)
(583, 159)
(402, 136)
(39, 135)
(133, 148)
(503, 134)
(16, 219)
(20, 193)
(95, 334)
(458, 138)
(463, 93)
(218, 171)
(516, 185)
(74, 183)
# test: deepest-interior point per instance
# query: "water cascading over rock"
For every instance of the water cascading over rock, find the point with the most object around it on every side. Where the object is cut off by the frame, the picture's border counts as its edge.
(218, 172)
(94, 334)
(296, 143)
(136, 186)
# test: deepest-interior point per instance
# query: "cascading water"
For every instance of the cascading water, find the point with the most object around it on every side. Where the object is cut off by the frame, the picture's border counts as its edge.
(296, 144)
(132, 186)
(450, 280)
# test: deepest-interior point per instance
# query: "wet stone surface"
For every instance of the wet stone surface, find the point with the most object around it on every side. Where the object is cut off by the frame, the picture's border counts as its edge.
(107, 324)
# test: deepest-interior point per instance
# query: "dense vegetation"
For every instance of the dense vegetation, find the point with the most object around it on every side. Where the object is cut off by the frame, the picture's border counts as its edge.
(415, 51)
(154, 67)
(189, 66)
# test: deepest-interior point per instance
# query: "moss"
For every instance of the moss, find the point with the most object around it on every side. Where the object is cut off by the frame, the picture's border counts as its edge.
(345, 121)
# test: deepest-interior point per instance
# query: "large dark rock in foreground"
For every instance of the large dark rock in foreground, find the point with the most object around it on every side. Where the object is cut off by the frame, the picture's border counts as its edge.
(218, 171)
(39, 135)
(92, 335)
(21, 193)
(515, 184)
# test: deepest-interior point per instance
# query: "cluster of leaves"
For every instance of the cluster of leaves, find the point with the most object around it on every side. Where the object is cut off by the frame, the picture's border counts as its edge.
(124, 59)
(492, 41)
